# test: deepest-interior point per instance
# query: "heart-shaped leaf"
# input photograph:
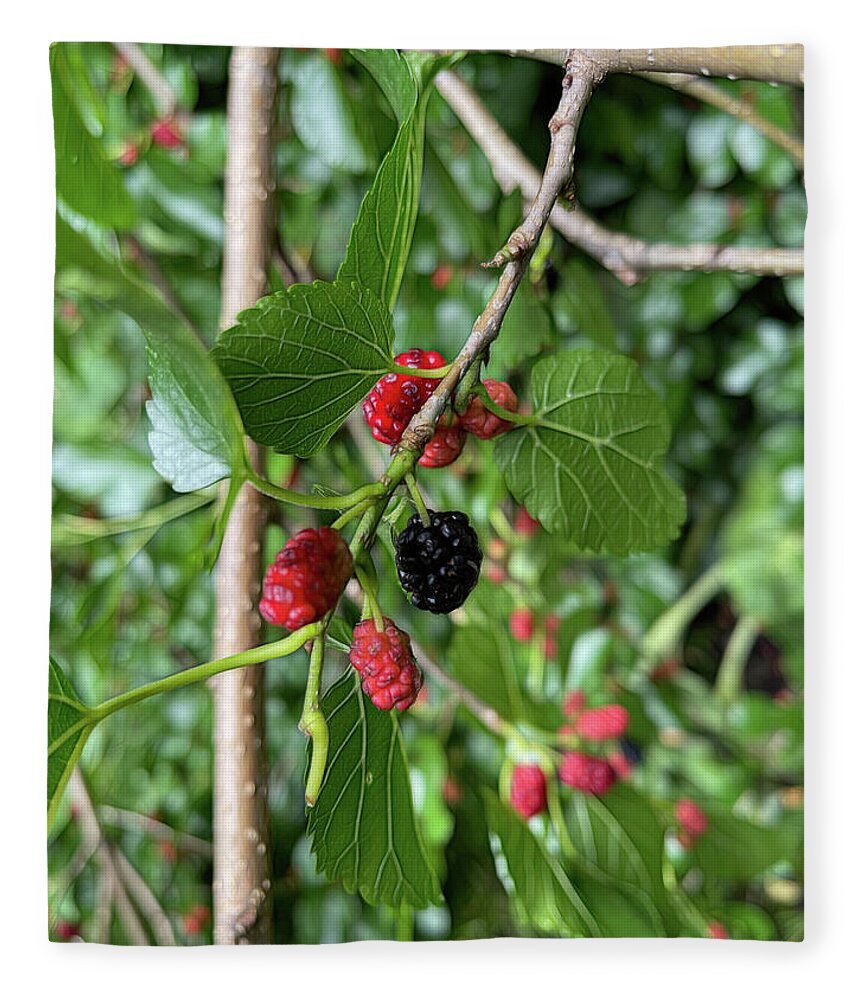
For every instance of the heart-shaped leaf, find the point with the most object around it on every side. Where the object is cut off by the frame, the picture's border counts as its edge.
(362, 828)
(589, 466)
(301, 359)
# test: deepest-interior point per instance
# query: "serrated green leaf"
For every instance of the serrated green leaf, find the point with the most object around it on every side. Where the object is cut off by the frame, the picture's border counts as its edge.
(581, 904)
(363, 829)
(381, 235)
(394, 75)
(86, 179)
(590, 466)
(301, 359)
(69, 726)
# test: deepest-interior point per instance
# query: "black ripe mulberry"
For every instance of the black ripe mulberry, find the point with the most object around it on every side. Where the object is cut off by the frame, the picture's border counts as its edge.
(438, 563)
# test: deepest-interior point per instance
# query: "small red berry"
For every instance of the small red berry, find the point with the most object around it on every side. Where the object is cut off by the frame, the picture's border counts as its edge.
(196, 919)
(717, 930)
(479, 421)
(166, 133)
(620, 764)
(496, 548)
(333, 56)
(168, 851)
(528, 790)
(306, 579)
(691, 817)
(390, 677)
(551, 624)
(521, 624)
(573, 704)
(665, 669)
(65, 930)
(451, 791)
(395, 399)
(589, 774)
(550, 648)
(128, 156)
(525, 524)
(605, 723)
(444, 447)
(495, 572)
(441, 276)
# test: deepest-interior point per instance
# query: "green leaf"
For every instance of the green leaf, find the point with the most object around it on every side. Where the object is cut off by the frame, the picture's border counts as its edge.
(620, 836)
(381, 235)
(589, 466)
(580, 306)
(323, 117)
(734, 848)
(363, 828)
(527, 330)
(86, 179)
(197, 436)
(301, 359)
(581, 904)
(394, 76)
(68, 730)
(492, 666)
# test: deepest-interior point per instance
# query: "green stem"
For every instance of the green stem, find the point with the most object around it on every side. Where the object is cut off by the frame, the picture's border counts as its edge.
(556, 815)
(523, 419)
(370, 598)
(339, 502)
(421, 372)
(313, 724)
(350, 515)
(415, 493)
(731, 673)
(665, 634)
(467, 385)
(269, 651)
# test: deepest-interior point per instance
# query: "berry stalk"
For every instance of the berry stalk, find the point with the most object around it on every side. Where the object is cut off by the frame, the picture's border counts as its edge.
(312, 722)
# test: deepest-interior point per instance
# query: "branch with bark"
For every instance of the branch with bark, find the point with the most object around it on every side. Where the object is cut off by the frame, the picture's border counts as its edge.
(241, 849)
(628, 257)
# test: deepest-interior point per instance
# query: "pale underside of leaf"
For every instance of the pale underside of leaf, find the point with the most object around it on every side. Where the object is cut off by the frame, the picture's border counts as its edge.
(363, 828)
(590, 467)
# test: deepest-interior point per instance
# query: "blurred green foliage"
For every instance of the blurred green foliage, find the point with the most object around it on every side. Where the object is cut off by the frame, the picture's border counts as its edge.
(723, 350)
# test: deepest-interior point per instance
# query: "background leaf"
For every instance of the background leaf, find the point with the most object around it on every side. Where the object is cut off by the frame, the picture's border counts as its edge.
(394, 76)
(300, 360)
(68, 731)
(590, 467)
(86, 179)
(363, 828)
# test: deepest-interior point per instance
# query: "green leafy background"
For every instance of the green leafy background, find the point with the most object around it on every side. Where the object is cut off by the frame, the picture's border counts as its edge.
(716, 360)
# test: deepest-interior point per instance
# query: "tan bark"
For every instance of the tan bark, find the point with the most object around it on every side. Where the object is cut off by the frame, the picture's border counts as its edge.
(241, 849)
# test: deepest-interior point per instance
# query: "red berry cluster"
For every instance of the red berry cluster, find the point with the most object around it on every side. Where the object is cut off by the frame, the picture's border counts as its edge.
(390, 677)
(396, 398)
(522, 626)
(692, 821)
(586, 773)
(306, 579)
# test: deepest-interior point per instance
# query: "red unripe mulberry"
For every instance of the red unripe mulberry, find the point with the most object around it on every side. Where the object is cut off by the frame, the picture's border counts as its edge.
(444, 447)
(605, 723)
(478, 420)
(691, 817)
(588, 774)
(306, 579)
(528, 790)
(390, 677)
(522, 623)
(396, 398)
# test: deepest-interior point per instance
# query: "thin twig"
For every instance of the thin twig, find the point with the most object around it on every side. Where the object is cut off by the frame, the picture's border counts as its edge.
(580, 77)
(710, 93)
(128, 820)
(771, 63)
(628, 257)
(144, 897)
(488, 716)
(150, 76)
